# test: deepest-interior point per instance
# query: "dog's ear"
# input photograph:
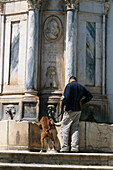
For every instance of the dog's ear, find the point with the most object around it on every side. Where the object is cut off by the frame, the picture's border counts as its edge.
(51, 122)
(39, 123)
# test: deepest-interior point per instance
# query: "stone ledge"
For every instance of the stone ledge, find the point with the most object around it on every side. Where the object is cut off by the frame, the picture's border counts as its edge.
(86, 159)
(52, 167)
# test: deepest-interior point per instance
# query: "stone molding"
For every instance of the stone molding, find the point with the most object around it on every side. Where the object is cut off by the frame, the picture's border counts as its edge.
(72, 4)
(1, 8)
(34, 4)
(106, 7)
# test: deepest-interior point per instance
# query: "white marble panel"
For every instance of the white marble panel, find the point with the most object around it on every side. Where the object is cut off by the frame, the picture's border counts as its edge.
(90, 53)
(19, 86)
(0, 54)
(0, 31)
(81, 54)
(98, 62)
(82, 49)
(22, 52)
(32, 52)
(14, 53)
(52, 59)
(7, 52)
(1, 50)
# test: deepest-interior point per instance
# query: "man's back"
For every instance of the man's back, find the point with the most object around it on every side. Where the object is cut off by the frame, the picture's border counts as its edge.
(73, 94)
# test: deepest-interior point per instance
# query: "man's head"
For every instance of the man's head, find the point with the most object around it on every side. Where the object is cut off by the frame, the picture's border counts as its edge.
(72, 78)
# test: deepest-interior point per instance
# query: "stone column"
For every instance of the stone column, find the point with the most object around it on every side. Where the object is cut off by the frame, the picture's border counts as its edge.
(103, 54)
(109, 60)
(32, 51)
(71, 38)
(1, 45)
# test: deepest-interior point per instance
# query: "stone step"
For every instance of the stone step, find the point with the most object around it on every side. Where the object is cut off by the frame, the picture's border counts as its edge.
(26, 157)
(15, 166)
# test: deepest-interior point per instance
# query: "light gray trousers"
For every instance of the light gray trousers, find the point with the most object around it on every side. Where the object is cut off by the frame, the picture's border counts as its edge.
(70, 131)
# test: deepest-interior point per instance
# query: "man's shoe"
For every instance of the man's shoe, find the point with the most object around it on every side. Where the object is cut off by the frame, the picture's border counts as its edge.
(74, 151)
(64, 151)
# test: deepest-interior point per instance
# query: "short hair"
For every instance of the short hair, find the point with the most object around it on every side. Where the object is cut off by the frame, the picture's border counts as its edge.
(73, 77)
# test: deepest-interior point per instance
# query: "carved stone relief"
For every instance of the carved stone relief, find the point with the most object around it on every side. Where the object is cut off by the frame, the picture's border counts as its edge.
(106, 7)
(51, 77)
(52, 28)
(1, 8)
(34, 4)
(11, 110)
(72, 4)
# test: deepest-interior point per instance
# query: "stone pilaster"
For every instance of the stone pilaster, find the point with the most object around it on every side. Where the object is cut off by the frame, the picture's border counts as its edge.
(1, 44)
(106, 10)
(32, 51)
(72, 7)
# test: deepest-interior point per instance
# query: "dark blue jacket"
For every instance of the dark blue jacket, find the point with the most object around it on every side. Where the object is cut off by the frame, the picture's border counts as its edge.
(73, 94)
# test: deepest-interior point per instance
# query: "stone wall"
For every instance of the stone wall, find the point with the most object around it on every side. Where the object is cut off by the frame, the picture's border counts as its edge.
(24, 135)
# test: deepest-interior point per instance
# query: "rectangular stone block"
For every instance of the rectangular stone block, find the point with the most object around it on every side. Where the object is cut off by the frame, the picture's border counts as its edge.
(18, 134)
(82, 136)
(16, 7)
(3, 134)
(99, 137)
(34, 136)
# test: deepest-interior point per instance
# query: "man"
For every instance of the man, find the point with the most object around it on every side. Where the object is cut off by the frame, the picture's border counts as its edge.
(73, 98)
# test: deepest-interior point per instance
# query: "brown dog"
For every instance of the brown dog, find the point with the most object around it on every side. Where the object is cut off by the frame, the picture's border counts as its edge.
(46, 131)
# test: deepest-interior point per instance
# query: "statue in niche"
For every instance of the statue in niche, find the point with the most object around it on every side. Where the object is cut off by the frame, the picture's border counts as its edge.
(52, 30)
(51, 78)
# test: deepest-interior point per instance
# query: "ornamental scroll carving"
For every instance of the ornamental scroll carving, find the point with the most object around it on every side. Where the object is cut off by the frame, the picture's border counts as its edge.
(1, 8)
(72, 4)
(34, 4)
(106, 7)
(52, 28)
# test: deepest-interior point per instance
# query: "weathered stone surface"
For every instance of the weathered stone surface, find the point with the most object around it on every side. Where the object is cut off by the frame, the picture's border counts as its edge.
(3, 134)
(99, 137)
(82, 136)
(18, 134)
(34, 136)
(94, 159)
(26, 135)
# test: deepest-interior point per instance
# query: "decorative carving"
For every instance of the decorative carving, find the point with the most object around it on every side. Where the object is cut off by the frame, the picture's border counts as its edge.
(52, 28)
(51, 78)
(34, 4)
(11, 110)
(1, 8)
(72, 4)
(106, 7)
